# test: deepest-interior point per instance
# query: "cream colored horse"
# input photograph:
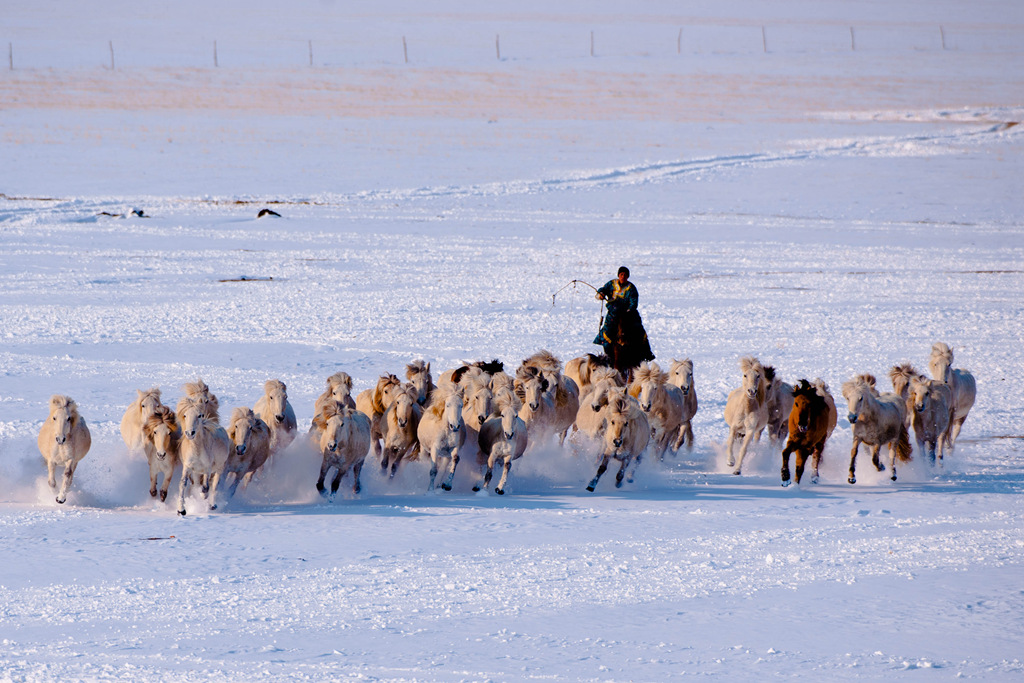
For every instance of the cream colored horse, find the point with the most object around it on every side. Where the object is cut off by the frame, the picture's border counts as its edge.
(373, 403)
(589, 420)
(251, 439)
(502, 437)
(161, 442)
(961, 384)
(477, 399)
(900, 376)
(400, 422)
(199, 391)
(878, 420)
(661, 402)
(275, 410)
(204, 450)
(581, 370)
(442, 432)
(344, 444)
(931, 402)
(418, 374)
(746, 410)
(624, 436)
(339, 388)
(680, 374)
(144, 405)
(63, 441)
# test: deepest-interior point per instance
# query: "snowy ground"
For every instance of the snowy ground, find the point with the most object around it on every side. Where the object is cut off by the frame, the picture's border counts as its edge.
(830, 210)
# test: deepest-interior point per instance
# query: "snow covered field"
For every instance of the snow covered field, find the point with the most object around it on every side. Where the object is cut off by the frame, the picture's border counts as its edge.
(829, 186)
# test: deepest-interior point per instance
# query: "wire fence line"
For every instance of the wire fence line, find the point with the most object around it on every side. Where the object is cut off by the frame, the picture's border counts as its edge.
(511, 46)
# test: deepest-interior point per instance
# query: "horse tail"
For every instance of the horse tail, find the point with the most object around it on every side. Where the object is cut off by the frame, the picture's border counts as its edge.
(903, 449)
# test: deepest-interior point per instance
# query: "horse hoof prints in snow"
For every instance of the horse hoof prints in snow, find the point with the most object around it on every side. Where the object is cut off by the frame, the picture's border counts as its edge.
(63, 441)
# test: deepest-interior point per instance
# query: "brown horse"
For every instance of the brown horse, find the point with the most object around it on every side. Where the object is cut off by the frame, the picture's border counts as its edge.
(808, 431)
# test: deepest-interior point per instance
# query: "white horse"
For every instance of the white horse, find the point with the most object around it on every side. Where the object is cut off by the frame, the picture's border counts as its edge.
(199, 391)
(878, 420)
(661, 402)
(961, 383)
(746, 410)
(63, 441)
(418, 374)
(204, 450)
(442, 432)
(477, 399)
(932, 405)
(624, 435)
(589, 420)
(144, 405)
(502, 437)
(900, 376)
(161, 441)
(564, 391)
(275, 410)
(344, 444)
(823, 391)
(680, 374)
(339, 388)
(538, 411)
(373, 403)
(581, 370)
(400, 422)
(252, 440)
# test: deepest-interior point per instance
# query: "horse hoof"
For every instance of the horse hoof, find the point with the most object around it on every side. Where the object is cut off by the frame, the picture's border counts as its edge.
(446, 487)
(852, 480)
(182, 512)
(814, 480)
(213, 507)
(785, 483)
(61, 500)
(893, 477)
(163, 497)
(500, 492)
(730, 462)
(152, 494)
(476, 489)
(591, 488)
(736, 472)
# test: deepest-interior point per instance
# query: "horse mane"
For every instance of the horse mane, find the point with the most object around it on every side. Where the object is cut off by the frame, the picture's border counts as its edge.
(58, 401)
(438, 397)
(751, 363)
(162, 415)
(274, 384)
(408, 390)
(677, 364)
(941, 351)
(527, 373)
(868, 379)
(151, 392)
(505, 398)
(477, 383)
(865, 380)
(804, 388)
(377, 399)
(605, 373)
(491, 367)
(201, 391)
(501, 380)
(242, 413)
(417, 367)
(545, 361)
(339, 379)
(649, 372)
(335, 408)
(819, 383)
(903, 370)
(464, 370)
(769, 373)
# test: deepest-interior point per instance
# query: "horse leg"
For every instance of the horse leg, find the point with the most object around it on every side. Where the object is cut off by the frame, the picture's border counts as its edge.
(875, 460)
(215, 485)
(433, 470)
(234, 485)
(816, 460)
(733, 433)
(743, 452)
(954, 433)
(853, 461)
(186, 482)
(153, 473)
(51, 467)
(801, 458)
(166, 485)
(323, 475)
(506, 468)
(600, 470)
(622, 471)
(487, 473)
(69, 472)
(447, 485)
(892, 459)
(785, 463)
(357, 469)
(336, 482)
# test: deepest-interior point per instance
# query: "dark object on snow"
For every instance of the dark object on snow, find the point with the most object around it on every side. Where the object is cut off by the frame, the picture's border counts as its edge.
(490, 367)
(268, 212)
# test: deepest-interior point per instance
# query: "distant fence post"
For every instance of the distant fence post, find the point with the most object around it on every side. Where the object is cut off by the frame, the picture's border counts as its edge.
(679, 43)
(311, 53)
(10, 55)
(111, 44)
(853, 42)
(942, 32)
(497, 45)
(215, 54)
(405, 50)
(591, 43)
(764, 39)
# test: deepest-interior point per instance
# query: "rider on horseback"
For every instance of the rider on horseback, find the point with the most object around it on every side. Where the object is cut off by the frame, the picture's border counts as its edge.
(621, 300)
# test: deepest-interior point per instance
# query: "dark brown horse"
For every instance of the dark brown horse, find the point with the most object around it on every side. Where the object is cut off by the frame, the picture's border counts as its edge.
(808, 430)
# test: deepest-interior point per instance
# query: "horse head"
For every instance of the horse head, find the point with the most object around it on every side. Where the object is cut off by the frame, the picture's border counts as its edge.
(63, 417)
(277, 399)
